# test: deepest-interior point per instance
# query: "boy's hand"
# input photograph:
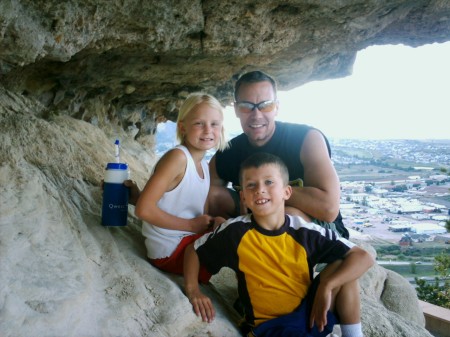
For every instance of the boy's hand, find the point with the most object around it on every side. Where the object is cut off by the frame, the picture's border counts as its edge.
(321, 305)
(202, 305)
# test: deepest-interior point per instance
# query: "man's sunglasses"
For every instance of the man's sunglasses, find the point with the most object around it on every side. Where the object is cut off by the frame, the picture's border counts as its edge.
(247, 107)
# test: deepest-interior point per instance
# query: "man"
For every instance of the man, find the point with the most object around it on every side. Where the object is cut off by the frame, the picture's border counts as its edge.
(304, 149)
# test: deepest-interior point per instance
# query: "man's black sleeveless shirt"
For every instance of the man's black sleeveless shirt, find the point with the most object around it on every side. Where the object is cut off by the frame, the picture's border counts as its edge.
(285, 143)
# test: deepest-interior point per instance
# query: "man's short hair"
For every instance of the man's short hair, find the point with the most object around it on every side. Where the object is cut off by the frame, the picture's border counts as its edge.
(263, 158)
(254, 77)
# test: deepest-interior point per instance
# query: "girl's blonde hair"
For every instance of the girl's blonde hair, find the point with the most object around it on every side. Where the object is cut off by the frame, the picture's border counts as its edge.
(190, 104)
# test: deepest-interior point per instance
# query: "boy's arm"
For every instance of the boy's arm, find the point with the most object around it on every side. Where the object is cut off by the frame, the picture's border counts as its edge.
(355, 263)
(201, 304)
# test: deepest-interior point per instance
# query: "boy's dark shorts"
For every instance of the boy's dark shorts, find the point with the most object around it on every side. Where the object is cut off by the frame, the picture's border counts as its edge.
(296, 324)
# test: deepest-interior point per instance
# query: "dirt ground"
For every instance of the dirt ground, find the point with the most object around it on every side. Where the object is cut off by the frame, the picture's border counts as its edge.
(379, 228)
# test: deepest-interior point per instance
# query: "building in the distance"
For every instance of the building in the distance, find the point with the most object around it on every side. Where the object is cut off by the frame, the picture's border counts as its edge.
(427, 228)
(400, 228)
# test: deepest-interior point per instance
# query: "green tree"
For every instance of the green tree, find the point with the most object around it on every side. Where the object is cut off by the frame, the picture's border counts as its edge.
(442, 264)
(438, 292)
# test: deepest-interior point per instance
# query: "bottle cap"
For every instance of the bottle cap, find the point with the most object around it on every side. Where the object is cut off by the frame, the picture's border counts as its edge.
(117, 166)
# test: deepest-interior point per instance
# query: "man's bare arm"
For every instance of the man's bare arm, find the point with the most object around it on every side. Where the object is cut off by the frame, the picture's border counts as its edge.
(215, 179)
(320, 195)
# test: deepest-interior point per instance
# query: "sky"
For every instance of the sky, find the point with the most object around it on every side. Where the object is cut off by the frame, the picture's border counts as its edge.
(394, 92)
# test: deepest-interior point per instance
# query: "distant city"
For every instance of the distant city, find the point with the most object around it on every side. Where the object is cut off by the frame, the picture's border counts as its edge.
(396, 190)
(415, 153)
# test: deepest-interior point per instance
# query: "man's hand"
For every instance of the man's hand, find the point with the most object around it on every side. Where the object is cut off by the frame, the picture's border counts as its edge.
(201, 304)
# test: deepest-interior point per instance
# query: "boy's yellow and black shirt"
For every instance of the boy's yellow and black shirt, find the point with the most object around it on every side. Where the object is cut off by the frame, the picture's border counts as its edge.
(274, 268)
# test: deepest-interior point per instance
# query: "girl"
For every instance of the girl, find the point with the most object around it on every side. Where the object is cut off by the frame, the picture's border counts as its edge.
(172, 204)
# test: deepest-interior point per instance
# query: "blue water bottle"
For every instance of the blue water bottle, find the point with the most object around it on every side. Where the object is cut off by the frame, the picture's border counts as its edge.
(115, 195)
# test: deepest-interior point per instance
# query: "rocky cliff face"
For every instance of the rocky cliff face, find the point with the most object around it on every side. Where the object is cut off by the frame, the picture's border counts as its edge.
(75, 75)
(131, 62)
(63, 274)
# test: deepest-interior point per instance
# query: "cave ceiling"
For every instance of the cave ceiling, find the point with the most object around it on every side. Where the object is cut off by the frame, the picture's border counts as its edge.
(133, 62)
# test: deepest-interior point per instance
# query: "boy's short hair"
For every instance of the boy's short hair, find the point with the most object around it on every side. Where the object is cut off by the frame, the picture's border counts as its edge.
(254, 77)
(191, 103)
(263, 158)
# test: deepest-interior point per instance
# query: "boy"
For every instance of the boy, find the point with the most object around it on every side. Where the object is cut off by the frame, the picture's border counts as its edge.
(273, 255)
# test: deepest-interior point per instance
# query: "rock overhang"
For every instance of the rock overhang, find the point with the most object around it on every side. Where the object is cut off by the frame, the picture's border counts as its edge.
(132, 63)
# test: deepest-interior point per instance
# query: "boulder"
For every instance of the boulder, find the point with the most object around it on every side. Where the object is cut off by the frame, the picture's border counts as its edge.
(63, 274)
